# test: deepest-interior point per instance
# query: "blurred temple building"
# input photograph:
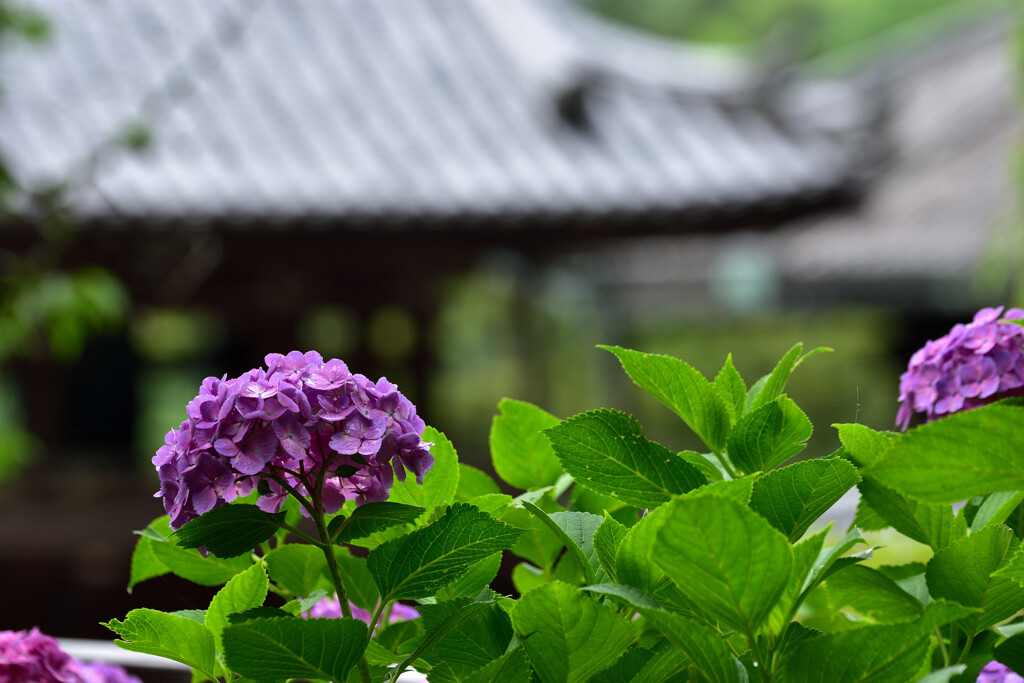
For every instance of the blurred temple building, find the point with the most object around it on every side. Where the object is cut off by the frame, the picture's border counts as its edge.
(937, 236)
(267, 158)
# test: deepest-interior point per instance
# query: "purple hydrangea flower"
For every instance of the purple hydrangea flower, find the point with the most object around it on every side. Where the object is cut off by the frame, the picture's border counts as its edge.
(975, 364)
(330, 608)
(99, 672)
(300, 419)
(33, 657)
(994, 672)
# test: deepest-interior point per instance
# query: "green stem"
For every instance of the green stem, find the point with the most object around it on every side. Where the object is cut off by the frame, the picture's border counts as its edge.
(339, 586)
(302, 534)
(724, 459)
(293, 493)
(376, 615)
(967, 648)
(759, 658)
(942, 647)
(315, 508)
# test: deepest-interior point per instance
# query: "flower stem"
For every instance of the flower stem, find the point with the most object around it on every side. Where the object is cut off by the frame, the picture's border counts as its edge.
(317, 514)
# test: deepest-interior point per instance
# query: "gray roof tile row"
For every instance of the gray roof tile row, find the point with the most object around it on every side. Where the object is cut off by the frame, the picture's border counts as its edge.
(436, 109)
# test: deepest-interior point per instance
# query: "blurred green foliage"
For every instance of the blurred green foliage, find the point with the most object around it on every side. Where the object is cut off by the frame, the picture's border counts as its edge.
(824, 25)
(495, 339)
(46, 311)
(55, 312)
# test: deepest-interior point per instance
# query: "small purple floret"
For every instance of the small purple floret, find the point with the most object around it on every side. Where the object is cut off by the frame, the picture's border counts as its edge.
(994, 672)
(975, 364)
(299, 419)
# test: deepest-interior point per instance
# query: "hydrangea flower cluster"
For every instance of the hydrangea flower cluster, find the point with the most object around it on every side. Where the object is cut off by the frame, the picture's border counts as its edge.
(994, 672)
(31, 656)
(974, 364)
(330, 608)
(298, 420)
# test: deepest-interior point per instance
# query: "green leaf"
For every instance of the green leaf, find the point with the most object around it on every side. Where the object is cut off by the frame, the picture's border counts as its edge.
(573, 529)
(736, 490)
(189, 563)
(626, 667)
(1011, 652)
(295, 605)
(512, 667)
(964, 573)
(890, 653)
(439, 484)
(707, 464)
(494, 504)
(776, 381)
(446, 621)
(579, 528)
(731, 389)
(476, 638)
(145, 564)
(668, 665)
(359, 584)
(724, 558)
(245, 591)
(831, 560)
(769, 436)
(872, 595)
(538, 544)
(933, 524)
(526, 577)
(792, 498)
(521, 455)
(960, 456)
(866, 519)
(169, 636)
(379, 655)
(420, 563)
(277, 649)
(996, 508)
(567, 636)
(372, 517)
(230, 530)
(627, 594)
(605, 450)
(607, 537)
(944, 675)
(680, 387)
(300, 569)
(585, 500)
(708, 652)
(474, 482)
(805, 555)
(633, 565)
(479, 576)
(401, 636)
(864, 446)
(196, 615)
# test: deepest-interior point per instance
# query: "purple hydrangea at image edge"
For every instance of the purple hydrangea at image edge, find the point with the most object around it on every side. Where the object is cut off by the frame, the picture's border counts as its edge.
(33, 657)
(974, 364)
(300, 415)
(994, 672)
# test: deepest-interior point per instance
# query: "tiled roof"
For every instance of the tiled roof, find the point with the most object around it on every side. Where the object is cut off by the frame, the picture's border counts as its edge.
(436, 109)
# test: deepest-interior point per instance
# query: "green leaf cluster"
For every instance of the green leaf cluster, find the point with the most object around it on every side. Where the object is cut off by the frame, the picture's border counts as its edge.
(630, 561)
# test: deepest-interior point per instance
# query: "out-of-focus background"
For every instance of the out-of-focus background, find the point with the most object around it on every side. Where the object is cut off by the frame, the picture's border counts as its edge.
(467, 196)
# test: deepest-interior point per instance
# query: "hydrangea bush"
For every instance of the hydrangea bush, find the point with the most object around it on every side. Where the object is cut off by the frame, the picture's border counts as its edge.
(351, 544)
